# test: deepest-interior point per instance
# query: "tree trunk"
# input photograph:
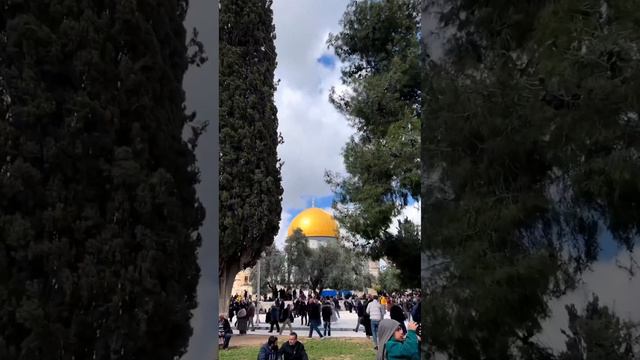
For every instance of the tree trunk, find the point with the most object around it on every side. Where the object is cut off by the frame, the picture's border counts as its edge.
(227, 276)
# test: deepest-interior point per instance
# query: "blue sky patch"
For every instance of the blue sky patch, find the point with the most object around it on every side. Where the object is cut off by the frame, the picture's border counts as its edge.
(328, 61)
(320, 202)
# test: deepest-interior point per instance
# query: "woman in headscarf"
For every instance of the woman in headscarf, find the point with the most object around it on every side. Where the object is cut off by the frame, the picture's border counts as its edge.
(243, 319)
(393, 344)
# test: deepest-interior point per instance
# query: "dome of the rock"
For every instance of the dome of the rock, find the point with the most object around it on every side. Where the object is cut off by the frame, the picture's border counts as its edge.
(315, 222)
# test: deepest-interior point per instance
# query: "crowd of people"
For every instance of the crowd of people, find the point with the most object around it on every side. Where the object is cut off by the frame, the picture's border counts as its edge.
(394, 336)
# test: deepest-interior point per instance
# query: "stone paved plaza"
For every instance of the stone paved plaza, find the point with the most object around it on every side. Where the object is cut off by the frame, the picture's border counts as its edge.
(342, 328)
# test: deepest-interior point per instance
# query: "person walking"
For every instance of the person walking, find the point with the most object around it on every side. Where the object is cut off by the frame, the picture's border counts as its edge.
(251, 312)
(258, 310)
(302, 311)
(366, 320)
(232, 312)
(394, 344)
(269, 351)
(376, 313)
(327, 313)
(315, 318)
(287, 319)
(336, 309)
(242, 320)
(293, 349)
(274, 316)
(334, 316)
(359, 306)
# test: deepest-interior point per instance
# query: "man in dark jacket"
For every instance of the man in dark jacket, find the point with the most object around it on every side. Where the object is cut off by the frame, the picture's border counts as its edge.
(315, 318)
(360, 311)
(293, 349)
(327, 311)
(274, 313)
(302, 311)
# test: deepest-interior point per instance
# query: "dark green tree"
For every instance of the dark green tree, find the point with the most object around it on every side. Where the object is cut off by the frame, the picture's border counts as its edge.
(403, 250)
(272, 271)
(598, 333)
(349, 271)
(250, 180)
(531, 134)
(379, 46)
(389, 280)
(99, 216)
(329, 266)
(298, 254)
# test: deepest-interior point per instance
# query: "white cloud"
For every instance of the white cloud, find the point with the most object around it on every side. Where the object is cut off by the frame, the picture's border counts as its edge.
(314, 132)
(412, 212)
(301, 31)
(284, 227)
(314, 135)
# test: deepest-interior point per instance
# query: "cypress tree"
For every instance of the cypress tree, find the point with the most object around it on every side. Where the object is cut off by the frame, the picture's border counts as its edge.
(250, 180)
(98, 212)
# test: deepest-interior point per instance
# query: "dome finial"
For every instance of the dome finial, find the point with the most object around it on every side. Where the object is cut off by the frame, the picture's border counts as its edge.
(313, 202)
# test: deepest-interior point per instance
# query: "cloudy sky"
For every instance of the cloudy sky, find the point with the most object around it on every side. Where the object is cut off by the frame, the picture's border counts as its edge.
(314, 132)
(614, 288)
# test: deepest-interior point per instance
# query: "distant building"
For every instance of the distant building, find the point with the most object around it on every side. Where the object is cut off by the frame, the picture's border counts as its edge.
(242, 282)
(320, 227)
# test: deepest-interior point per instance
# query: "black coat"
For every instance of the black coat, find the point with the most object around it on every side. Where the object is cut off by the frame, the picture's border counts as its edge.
(302, 308)
(286, 314)
(327, 311)
(296, 352)
(314, 312)
(275, 314)
(227, 327)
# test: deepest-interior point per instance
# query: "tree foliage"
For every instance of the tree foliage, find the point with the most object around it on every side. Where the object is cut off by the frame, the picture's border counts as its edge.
(272, 271)
(598, 333)
(298, 255)
(330, 266)
(402, 249)
(531, 131)
(250, 179)
(98, 211)
(379, 46)
(389, 280)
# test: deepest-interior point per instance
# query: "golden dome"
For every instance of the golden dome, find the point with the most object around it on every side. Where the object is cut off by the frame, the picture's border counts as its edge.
(315, 222)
